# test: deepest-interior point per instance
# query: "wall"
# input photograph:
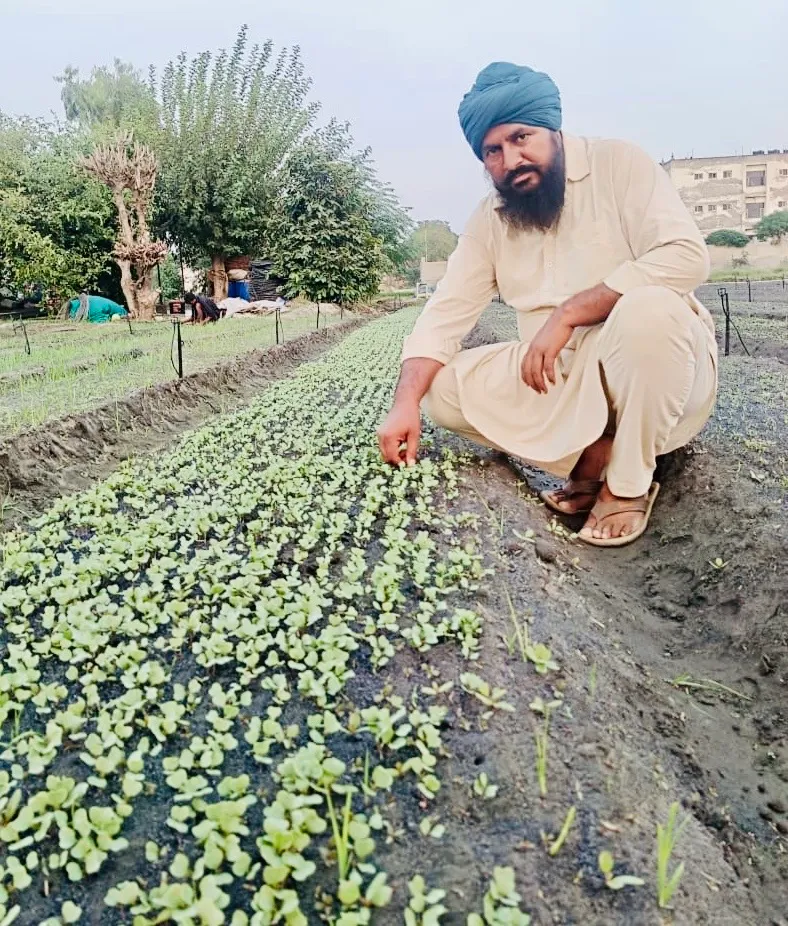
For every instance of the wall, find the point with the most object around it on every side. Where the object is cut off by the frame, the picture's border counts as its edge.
(760, 254)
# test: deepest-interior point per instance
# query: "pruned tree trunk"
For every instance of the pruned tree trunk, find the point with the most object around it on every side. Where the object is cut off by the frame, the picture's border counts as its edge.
(218, 277)
(130, 172)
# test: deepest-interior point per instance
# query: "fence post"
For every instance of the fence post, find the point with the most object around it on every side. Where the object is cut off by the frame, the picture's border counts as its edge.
(180, 351)
(317, 326)
(749, 290)
(722, 292)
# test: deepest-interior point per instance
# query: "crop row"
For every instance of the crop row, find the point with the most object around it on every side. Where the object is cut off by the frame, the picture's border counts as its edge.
(193, 725)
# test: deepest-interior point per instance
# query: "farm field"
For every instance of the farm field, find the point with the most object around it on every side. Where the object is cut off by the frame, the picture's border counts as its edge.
(73, 368)
(261, 678)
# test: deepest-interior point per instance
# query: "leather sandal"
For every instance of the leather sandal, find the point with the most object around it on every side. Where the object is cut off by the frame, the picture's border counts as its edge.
(603, 510)
(574, 488)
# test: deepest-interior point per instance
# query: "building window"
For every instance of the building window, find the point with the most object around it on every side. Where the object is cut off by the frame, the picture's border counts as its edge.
(727, 174)
(726, 207)
(755, 210)
(756, 178)
(784, 171)
(713, 176)
(699, 176)
(699, 208)
(781, 204)
(712, 208)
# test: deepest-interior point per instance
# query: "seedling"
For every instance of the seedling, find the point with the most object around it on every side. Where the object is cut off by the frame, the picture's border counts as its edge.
(555, 846)
(718, 563)
(667, 838)
(424, 907)
(484, 692)
(501, 903)
(483, 788)
(542, 739)
(616, 882)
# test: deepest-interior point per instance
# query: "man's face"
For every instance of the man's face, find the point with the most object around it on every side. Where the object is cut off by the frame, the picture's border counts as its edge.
(526, 164)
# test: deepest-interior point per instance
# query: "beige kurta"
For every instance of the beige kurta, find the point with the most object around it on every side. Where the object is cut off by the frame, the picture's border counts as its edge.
(623, 224)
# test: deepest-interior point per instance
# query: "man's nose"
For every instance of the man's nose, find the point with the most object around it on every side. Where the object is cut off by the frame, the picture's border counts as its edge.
(512, 157)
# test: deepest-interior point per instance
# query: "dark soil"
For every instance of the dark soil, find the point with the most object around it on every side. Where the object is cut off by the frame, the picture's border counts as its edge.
(674, 675)
(67, 455)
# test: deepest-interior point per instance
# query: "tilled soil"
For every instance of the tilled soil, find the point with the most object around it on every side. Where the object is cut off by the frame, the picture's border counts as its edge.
(674, 668)
(67, 455)
(673, 658)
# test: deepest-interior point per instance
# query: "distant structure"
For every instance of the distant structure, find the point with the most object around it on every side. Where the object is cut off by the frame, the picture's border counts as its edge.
(733, 192)
(431, 273)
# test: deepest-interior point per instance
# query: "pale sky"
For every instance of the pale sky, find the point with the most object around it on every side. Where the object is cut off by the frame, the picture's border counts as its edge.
(702, 77)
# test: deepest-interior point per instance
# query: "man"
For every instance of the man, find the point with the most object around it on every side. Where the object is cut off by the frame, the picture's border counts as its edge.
(204, 309)
(616, 363)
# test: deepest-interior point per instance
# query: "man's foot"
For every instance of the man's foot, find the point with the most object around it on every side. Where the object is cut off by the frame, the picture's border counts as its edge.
(581, 490)
(616, 521)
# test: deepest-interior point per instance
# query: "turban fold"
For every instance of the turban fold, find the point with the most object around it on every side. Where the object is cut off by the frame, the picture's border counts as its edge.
(504, 93)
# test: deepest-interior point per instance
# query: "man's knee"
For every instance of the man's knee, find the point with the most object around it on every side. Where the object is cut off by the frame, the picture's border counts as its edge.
(646, 318)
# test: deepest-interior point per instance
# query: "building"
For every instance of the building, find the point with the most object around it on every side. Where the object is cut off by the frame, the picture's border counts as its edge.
(733, 192)
(431, 273)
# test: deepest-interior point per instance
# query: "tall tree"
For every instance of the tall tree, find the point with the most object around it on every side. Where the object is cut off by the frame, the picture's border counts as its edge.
(109, 100)
(322, 239)
(56, 223)
(227, 126)
(128, 169)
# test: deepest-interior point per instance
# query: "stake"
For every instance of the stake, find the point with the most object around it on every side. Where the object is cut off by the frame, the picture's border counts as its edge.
(317, 327)
(749, 290)
(21, 324)
(180, 351)
(279, 325)
(722, 292)
(128, 319)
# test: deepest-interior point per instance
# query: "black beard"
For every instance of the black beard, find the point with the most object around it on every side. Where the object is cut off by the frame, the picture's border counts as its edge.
(538, 209)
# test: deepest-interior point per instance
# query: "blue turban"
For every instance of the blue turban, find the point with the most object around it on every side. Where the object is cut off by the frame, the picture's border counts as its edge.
(504, 93)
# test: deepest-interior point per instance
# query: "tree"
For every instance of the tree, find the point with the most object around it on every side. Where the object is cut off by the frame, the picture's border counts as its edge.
(227, 127)
(728, 238)
(128, 169)
(56, 223)
(430, 240)
(110, 100)
(773, 226)
(322, 240)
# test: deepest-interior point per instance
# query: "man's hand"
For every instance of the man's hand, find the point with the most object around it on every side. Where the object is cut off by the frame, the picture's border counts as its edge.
(401, 426)
(539, 363)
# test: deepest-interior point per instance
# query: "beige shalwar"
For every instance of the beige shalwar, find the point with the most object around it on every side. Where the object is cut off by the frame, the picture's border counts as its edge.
(650, 368)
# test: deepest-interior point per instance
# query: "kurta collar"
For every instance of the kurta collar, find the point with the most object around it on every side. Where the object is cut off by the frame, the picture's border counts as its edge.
(575, 157)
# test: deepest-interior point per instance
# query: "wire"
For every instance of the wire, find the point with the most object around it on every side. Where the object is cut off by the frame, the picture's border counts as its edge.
(172, 346)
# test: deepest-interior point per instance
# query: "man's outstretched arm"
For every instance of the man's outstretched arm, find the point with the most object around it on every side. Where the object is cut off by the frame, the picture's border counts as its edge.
(402, 425)
(465, 291)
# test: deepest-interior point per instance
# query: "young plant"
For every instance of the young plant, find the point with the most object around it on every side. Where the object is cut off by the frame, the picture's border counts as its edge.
(501, 903)
(483, 788)
(667, 838)
(555, 845)
(424, 907)
(616, 882)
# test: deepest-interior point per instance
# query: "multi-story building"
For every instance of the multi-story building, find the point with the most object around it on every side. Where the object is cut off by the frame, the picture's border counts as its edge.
(732, 192)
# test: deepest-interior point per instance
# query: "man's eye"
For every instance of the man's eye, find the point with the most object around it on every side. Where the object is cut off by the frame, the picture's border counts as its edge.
(522, 136)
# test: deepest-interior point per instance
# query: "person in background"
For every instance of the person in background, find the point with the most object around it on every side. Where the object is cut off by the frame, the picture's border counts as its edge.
(30, 301)
(204, 309)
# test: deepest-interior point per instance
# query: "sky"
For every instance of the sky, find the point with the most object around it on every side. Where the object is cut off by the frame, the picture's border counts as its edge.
(677, 77)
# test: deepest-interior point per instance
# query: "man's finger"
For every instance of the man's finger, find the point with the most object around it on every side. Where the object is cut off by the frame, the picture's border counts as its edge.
(526, 369)
(389, 448)
(537, 372)
(412, 447)
(549, 366)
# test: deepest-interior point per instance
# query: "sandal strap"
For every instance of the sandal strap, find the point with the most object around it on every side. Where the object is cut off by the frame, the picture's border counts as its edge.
(577, 487)
(603, 510)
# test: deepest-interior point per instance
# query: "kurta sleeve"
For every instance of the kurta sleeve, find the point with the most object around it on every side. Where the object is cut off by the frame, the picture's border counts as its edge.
(462, 295)
(667, 246)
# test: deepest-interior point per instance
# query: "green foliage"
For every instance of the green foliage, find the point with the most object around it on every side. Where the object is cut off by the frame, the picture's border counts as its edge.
(110, 99)
(430, 240)
(322, 239)
(227, 124)
(773, 226)
(728, 238)
(56, 224)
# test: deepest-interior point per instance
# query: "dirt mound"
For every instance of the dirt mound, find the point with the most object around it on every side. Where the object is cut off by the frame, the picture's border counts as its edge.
(64, 456)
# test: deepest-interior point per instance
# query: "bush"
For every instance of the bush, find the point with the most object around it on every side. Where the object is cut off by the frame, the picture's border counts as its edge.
(728, 238)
